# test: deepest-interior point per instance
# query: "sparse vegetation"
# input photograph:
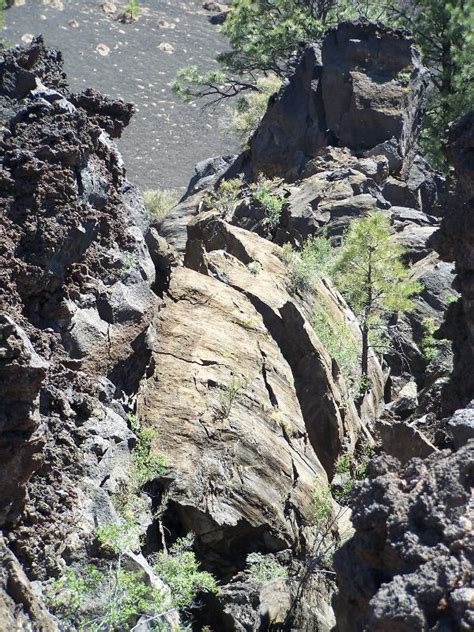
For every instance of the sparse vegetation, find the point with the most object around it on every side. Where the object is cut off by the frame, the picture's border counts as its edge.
(244, 119)
(272, 203)
(146, 466)
(180, 570)
(338, 339)
(349, 469)
(159, 201)
(225, 197)
(430, 346)
(106, 596)
(264, 568)
(307, 266)
(132, 10)
(96, 598)
(227, 397)
(322, 506)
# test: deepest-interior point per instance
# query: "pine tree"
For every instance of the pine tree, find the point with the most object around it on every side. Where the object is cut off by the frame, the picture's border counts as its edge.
(370, 272)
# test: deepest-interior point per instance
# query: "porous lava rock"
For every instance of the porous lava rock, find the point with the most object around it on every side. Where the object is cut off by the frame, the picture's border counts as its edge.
(76, 301)
(409, 565)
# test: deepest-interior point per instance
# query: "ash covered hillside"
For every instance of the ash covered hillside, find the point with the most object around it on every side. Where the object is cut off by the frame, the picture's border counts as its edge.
(181, 426)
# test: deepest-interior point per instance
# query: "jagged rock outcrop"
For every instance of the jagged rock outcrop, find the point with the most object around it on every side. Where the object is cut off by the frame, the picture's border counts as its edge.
(409, 565)
(364, 90)
(22, 372)
(455, 242)
(241, 389)
(367, 81)
(76, 304)
(20, 607)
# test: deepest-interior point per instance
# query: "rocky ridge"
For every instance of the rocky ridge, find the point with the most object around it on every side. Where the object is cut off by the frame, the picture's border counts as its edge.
(192, 327)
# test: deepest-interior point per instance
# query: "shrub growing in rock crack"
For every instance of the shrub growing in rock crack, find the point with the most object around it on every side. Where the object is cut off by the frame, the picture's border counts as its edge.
(272, 203)
(263, 568)
(180, 570)
(227, 397)
(159, 201)
(307, 266)
(224, 197)
(339, 341)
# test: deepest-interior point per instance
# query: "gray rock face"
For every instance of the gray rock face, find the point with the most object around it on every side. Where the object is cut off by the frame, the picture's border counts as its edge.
(372, 86)
(22, 372)
(20, 608)
(455, 243)
(364, 90)
(76, 283)
(407, 567)
(294, 126)
(461, 426)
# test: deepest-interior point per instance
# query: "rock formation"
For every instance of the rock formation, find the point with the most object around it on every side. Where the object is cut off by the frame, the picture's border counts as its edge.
(409, 564)
(191, 330)
(77, 303)
(455, 242)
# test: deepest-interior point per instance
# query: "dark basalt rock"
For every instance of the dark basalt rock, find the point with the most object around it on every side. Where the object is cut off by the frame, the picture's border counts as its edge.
(364, 90)
(407, 567)
(455, 242)
(75, 287)
(22, 373)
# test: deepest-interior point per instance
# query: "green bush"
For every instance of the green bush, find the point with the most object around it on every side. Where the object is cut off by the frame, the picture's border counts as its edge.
(146, 464)
(338, 340)
(245, 118)
(159, 201)
(263, 568)
(430, 346)
(224, 198)
(350, 468)
(271, 203)
(307, 266)
(180, 570)
(322, 505)
(118, 598)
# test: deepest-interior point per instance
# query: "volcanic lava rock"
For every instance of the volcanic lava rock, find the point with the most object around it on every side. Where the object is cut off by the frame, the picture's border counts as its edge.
(409, 564)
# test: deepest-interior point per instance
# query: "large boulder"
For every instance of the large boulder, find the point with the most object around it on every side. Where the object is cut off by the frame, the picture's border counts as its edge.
(257, 394)
(363, 90)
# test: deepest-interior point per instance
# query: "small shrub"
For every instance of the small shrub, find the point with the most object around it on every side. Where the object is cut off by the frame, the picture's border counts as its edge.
(146, 465)
(350, 468)
(270, 202)
(307, 266)
(159, 201)
(225, 197)
(245, 118)
(133, 422)
(118, 536)
(337, 338)
(180, 570)
(119, 598)
(263, 568)
(132, 10)
(322, 505)
(129, 261)
(429, 344)
(227, 396)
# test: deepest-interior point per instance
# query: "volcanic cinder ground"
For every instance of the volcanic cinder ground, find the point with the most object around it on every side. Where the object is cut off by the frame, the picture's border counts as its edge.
(138, 63)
